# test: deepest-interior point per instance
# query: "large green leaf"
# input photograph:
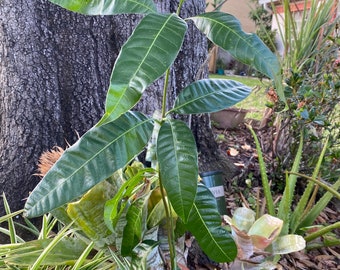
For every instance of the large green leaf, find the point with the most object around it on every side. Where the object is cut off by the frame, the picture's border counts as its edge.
(115, 206)
(205, 224)
(97, 154)
(147, 54)
(225, 31)
(178, 165)
(88, 214)
(212, 95)
(107, 7)
(135, 226)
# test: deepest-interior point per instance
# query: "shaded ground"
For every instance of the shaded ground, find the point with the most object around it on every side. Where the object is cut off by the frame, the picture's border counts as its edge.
(245, 189)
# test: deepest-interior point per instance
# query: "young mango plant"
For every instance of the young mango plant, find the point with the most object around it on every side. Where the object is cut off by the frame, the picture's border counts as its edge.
(122, 134)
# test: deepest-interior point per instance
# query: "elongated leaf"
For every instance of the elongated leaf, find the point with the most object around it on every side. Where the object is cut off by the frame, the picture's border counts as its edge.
(135, 226)
(178, 165)
(225, 31)
(11, 227)
(319, 207)
(284, 211)
(205, 224)
(300, 210)
(88, 214)
(66, 252)
(107, 7)
(212, 95)
(146, 55)
(264, 177)
(115, 206)
(100, 152)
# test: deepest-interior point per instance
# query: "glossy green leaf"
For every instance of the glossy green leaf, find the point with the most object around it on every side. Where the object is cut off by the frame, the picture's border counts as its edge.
(205, 224)
(115, 206)
(135, 226)
(97, 155)
(225, 31)
(212, 95)
(88, 214)
(178, 165)
(147, 54)
(107, 7)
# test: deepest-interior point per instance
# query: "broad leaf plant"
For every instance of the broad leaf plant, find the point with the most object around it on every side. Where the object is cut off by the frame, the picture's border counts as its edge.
(134, 200)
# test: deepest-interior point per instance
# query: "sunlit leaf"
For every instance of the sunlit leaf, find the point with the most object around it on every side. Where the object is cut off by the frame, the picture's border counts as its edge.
(88, 213)
(225, 31)
(107, 7)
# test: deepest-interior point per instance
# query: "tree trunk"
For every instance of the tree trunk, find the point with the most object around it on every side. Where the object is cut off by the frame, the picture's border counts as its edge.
(55, 67)
(54, 73)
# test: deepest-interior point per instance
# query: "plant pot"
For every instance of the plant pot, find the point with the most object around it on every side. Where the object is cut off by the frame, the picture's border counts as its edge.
(220, 71)
(229, 118)
(214, 181)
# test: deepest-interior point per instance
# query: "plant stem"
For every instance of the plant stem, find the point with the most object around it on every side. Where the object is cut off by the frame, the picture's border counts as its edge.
(322, 231)
(170, 227)
(165, 88)
(180, 6)
(321, 184)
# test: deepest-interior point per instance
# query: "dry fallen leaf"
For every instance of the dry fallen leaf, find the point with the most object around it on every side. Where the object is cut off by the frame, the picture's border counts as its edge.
(232, 152)
(240, 165)
(246, 147)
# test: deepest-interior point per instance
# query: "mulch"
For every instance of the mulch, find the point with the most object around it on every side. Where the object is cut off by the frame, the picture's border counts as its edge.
(245, 189)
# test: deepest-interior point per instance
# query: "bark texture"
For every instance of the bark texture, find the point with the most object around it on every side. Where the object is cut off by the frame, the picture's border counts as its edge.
(54, 73)
(55, 67)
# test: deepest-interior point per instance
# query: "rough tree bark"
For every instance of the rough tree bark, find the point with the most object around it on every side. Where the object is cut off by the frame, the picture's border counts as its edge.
(54, 73)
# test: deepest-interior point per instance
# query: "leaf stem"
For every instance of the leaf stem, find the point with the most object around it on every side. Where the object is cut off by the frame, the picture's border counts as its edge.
(322, 231)
(165, 88)
(180, 6)
(170, 229)
(320, 183)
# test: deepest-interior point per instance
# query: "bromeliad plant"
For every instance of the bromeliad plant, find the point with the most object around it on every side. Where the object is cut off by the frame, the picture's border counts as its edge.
(90, 164)
(300, 220)
(258, 240)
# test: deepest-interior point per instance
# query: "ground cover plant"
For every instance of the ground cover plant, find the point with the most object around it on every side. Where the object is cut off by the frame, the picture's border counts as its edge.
(122, 207)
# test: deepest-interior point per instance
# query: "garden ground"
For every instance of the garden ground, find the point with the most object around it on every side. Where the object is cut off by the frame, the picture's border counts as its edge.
(244, 189)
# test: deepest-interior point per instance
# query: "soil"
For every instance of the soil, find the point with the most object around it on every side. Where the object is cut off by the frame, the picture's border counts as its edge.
(245, 190)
